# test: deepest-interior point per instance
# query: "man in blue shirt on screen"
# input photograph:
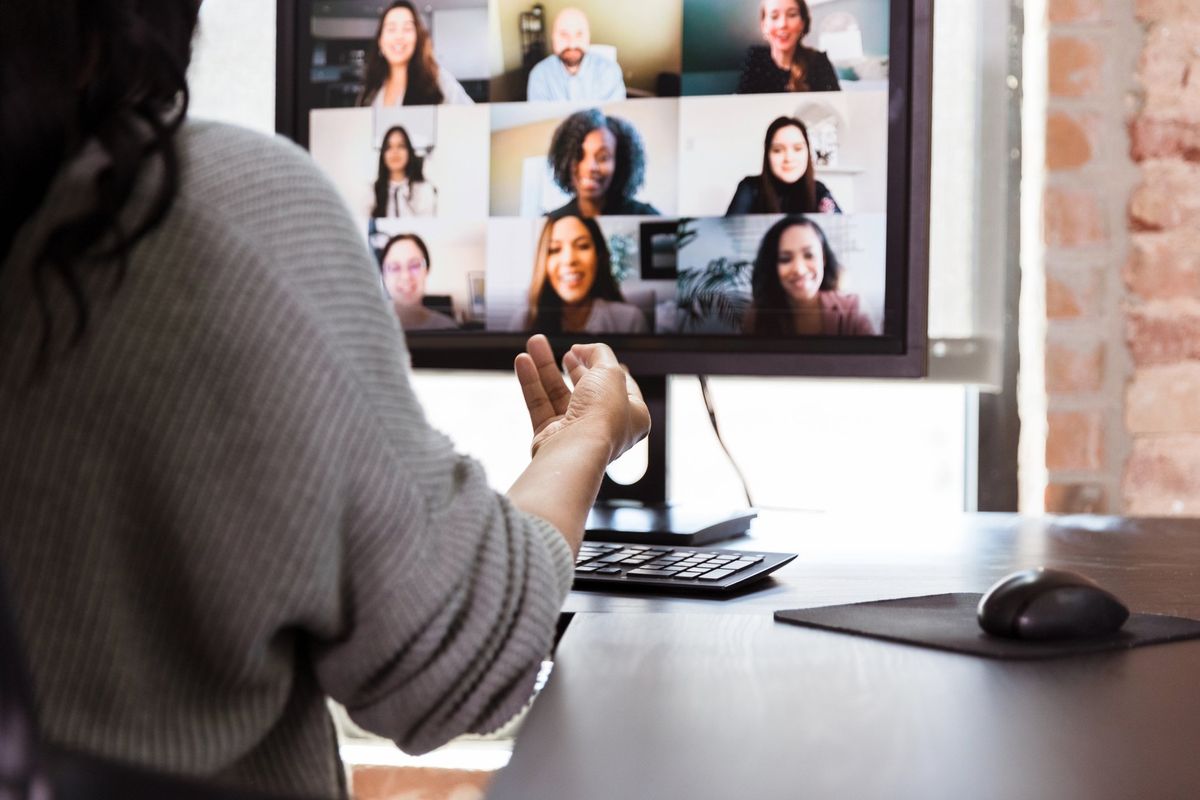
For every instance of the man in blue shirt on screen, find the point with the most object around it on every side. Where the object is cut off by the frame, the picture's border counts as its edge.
(574, 73)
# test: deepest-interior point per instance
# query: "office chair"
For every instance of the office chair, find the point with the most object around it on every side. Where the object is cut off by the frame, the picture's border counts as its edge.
(32, 770)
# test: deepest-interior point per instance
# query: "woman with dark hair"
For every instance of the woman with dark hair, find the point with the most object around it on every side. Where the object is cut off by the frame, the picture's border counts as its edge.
(795, 286)
(787, 183)
(221, 501)
(573, 289)
(784, 64)
(405, 266)
(602, 162)
(402, 70)
(400, 186)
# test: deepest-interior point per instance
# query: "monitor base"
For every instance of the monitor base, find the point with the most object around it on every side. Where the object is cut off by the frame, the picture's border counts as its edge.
(663, 524)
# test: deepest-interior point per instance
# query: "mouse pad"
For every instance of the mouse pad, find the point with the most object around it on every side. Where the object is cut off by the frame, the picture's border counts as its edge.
(947, 622)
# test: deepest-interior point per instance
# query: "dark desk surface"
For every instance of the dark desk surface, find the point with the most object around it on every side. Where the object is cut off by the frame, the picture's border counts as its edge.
(656, 697)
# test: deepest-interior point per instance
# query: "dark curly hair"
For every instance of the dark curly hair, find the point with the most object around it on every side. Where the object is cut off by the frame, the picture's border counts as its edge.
(423, 70)
(414, 170)
(545, 306)
(76, 73)
(566, 148)
(770, 300)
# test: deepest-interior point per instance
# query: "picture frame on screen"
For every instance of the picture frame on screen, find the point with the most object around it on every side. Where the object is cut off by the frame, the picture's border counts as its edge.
(710, 186)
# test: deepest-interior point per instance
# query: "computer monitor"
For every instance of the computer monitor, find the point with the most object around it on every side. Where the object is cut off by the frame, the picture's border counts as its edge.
(714, 187)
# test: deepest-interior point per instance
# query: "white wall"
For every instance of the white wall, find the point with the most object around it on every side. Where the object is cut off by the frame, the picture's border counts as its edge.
(232, 78)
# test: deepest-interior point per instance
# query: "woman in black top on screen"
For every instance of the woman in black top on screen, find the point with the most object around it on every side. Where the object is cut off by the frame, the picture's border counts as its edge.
(602, 162)
(787, 183)
(784, 64)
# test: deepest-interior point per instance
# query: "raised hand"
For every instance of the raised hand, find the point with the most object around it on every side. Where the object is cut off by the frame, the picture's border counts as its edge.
(606, 404)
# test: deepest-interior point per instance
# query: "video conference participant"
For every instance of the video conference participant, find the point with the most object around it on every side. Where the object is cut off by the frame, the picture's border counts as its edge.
(601, 160)
(254, 514)
(572, 72)
(787, 183)
(402, 70)
(784, 64)
(405, 265)
(795, 286)
(400, 186)
(573, 289)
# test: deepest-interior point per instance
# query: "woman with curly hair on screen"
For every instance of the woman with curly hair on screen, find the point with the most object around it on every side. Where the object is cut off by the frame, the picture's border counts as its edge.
(402, 70)
(601, 161)
(795, 286)
(573, 288)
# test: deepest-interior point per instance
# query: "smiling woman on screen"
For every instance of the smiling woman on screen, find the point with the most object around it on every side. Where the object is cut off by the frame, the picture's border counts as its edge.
(402, 69)
(784, 64)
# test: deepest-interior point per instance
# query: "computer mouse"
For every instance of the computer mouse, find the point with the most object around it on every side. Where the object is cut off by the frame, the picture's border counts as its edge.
(1047, 604)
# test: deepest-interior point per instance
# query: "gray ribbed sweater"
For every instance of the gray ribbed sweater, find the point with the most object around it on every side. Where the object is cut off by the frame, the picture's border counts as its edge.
(225, 503)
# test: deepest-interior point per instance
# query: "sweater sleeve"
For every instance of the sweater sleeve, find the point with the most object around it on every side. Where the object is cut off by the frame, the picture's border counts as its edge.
(431, 600)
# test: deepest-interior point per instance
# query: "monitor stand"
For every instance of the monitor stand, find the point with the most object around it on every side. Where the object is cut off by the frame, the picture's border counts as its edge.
(639, 513)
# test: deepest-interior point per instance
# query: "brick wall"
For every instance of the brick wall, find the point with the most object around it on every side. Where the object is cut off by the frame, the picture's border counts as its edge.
(1122, 235)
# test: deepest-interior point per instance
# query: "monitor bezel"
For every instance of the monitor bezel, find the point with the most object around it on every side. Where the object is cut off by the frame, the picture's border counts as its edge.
(902, 351)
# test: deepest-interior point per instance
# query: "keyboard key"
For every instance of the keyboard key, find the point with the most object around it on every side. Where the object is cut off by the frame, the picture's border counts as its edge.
(648, 573)
(716, 575)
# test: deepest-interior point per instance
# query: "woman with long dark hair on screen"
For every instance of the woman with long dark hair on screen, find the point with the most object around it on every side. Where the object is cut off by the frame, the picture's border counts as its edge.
(573, 289)
(221, 502)
(400, 186)
(405, 265)
(402, 70)
(795, 286)
(601, 161)
(784, 64)
(788, 183)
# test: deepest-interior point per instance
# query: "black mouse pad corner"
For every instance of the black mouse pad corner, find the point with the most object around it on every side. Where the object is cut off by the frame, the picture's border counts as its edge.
(948, 622)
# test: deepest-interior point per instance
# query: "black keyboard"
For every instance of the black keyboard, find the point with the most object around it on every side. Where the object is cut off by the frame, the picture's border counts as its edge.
(687, 569)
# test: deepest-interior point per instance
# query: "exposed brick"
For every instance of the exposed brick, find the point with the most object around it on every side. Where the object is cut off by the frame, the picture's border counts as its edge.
(1162, 476)
(1072, 294)
(1068, 141)
(1076, 498)
(1074, 368)
(1073, 218)
(1153, 137)
(1163, 399)
(423, 783)
(1074, 440)
(1169, 70)
(1163, 333)
(1168, 196)
(1075, 66)
(1164, 265)
(1157, 10)
(1068, 11)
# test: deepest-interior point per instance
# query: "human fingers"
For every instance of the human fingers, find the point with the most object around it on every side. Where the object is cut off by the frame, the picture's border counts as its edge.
(639, 411)
(541, 410)
(595, 355)
(574, 368)
(550, 375)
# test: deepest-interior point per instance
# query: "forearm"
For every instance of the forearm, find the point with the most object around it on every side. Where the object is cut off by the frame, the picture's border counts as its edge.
(561, 482)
